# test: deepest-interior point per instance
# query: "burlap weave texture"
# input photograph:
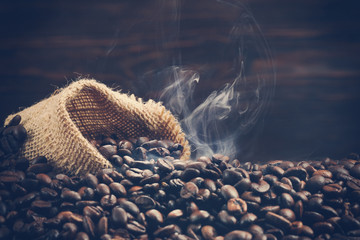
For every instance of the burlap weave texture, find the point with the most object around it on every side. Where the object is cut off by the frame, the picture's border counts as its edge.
(58, 127)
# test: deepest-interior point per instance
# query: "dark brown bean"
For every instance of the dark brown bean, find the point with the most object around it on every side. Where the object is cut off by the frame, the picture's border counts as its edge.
(238, 234)
(278, 220)
(118, 216)
(102, 189)
(102, 226)
(89, 226)
(208, 232)
(154, 216)
(237, 206)
(288, 214)
(108, 201)
(82, 236)
(69, 195)
(189, 190)
(228, 191)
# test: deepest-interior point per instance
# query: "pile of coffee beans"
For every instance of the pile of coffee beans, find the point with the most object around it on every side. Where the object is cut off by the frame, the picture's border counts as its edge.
(151, 194)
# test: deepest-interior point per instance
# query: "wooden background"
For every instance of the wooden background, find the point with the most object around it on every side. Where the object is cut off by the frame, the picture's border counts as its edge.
(315, 47)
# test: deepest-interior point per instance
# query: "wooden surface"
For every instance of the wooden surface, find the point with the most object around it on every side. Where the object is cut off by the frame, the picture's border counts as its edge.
(315, 47)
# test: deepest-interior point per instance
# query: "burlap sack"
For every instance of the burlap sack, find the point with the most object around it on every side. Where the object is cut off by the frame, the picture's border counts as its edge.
(58, 127)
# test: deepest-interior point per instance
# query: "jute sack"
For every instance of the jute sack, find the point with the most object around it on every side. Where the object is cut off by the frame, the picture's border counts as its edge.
(59, 127)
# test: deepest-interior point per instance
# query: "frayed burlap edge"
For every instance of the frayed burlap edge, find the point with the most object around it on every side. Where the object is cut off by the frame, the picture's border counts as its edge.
(59, 125)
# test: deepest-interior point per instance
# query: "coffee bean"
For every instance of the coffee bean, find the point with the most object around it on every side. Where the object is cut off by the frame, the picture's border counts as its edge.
(82, 236)
(288, 214)
(332, 190)
(280, 187)
(11, 176)
(108, 201)
(247, 219)
(190, 173)
(260, 187)
(208, 232)
(118, 216)
(312, 217)
(102, 189)
(129, 206)
(189, 190)
(165, 165)
(40, 168)
(102, 226)
(238, 234)
(228, 191)
(89, 226)
(231, 176)
(354, 184)
(69, 231)
(108, 150)
(237, 206)
(278, 220)
(323, 227)
(286, 201)
(226, 218)
(71, 196)
(145, 202)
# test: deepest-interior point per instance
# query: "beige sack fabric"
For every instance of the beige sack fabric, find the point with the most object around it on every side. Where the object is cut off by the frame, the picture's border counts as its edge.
(58, 127)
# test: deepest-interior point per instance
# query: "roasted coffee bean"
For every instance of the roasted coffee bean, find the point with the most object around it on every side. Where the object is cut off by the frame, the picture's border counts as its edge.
(323, 227)
(89, 226)
(311, 217)
(274, 209)
(91, 180)
(288, 214)
(11, 176)
(145, 202)
(108, 201)
(102, 189)
(82, 236)
(69, 231)
(228, 191)
(93, 212)
(199, 216)
(40, 168)
(280, 187)
(238, 234)
(231, 176)
(332, 190)
(86, 193)
(102, 226)
(165, 231)
(208, 232)
(226, 218)
(118, 216)
(247, 219)
(189, 190)
(190, 173)
(71, 196)
(250, 196)
(136, 227)
(237, 206)
(129, 206)
(349, 222)
(286, 201)
(154, 216)
(278, 220)
(353, 184)
(244, 184)
(260, 187)
(165, 165)
(108, 150)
